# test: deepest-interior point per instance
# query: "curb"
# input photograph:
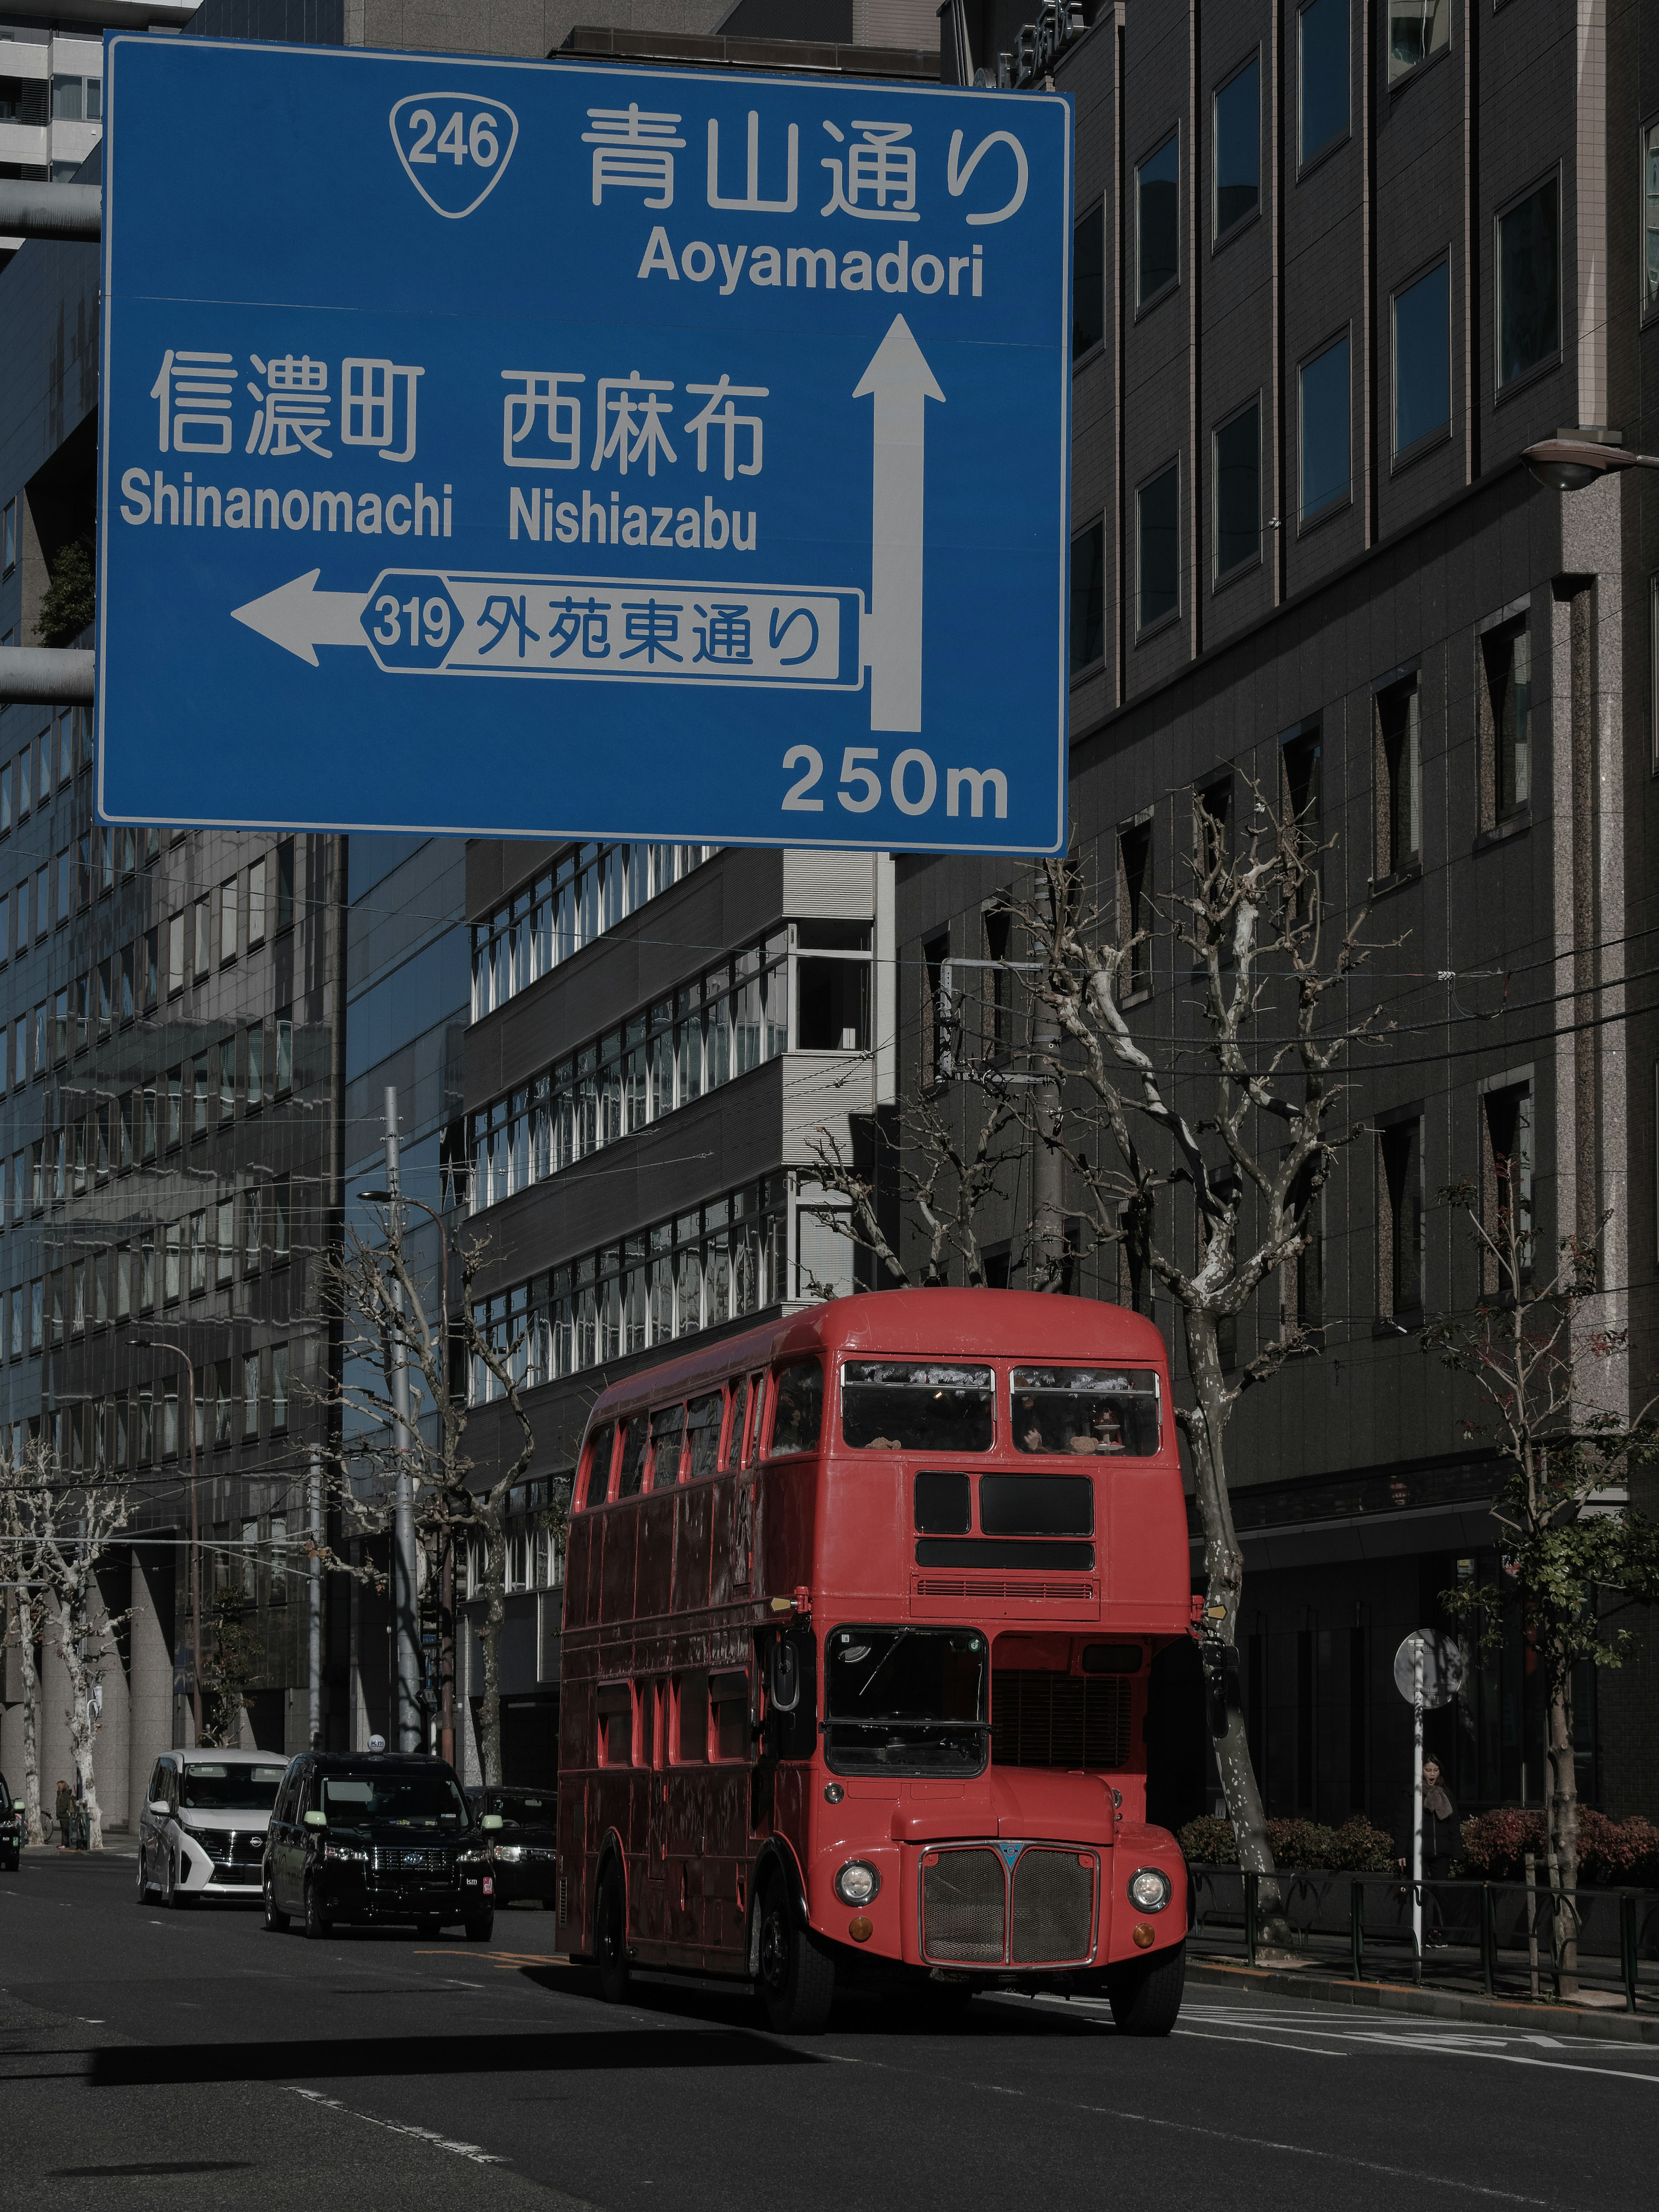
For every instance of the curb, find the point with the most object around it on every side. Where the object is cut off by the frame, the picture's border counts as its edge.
(1434, 2004)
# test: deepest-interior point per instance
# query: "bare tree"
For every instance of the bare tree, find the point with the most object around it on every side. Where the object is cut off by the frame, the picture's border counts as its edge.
(1249, 1116)
(382, 1302)
(942, 1180)
(59, 1528)
(1550, 1379)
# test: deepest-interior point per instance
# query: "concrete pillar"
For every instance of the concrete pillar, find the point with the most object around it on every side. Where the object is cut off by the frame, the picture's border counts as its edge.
(149, 1672)
(11, 1709)
(113, 1731)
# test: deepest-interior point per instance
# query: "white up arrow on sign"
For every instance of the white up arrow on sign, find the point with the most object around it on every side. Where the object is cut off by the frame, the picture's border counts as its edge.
(900, 383)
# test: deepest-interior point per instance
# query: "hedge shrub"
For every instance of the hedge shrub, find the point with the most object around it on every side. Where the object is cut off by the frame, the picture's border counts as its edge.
(1298, 1846)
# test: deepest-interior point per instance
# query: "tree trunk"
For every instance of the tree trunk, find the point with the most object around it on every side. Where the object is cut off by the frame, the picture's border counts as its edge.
(1224, 1578)
(72, 1634)
(1563, 1832)
(490, 1636)
(33, 1830)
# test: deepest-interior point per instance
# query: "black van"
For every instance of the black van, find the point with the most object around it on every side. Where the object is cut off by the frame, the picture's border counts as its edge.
(11, 1829)
(364, 1836)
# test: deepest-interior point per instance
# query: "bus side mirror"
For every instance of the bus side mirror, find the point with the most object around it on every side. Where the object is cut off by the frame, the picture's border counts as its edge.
(783, 1676)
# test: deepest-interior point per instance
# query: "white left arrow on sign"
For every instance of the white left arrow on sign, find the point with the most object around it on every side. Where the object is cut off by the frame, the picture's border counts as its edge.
(299, 618)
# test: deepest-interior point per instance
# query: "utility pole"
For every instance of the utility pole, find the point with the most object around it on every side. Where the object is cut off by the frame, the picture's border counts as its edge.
(314, 1596)
(1048, 1167)
(404, 1599)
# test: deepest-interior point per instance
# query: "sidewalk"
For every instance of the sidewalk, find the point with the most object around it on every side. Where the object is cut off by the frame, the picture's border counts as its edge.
(1596, 2020)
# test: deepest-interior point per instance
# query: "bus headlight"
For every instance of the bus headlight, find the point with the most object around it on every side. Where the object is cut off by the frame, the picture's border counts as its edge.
(858, 1882)
(1149, 1890)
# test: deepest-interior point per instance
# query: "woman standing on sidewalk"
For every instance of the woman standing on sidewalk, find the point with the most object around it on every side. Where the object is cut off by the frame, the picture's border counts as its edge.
(1443, 1839)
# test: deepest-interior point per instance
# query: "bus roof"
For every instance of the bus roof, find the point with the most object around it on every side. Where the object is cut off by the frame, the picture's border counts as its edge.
(948, 1324)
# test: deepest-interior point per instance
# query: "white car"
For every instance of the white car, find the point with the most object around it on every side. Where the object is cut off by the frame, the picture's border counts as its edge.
(201, 1832)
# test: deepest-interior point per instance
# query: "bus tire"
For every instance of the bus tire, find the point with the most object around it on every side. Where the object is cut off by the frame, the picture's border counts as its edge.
(796, 1973)
(611, 1936)
(1144, 1993)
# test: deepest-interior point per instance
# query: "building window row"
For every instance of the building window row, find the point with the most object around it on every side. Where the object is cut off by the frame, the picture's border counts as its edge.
(200, 1094)
(721, 1024)
(711, 1265)
(589, 890)
(51, 760)
(241, 1400)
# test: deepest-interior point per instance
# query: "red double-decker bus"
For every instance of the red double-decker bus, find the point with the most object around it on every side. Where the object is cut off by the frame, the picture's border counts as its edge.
(860, 1611)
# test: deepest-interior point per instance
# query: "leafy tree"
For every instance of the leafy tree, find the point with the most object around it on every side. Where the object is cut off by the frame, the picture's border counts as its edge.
(231, 1670)
(69, 602)
(1549, 1378)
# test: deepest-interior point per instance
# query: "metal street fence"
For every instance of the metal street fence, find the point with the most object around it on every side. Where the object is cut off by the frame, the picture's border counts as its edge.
(1360, 1922)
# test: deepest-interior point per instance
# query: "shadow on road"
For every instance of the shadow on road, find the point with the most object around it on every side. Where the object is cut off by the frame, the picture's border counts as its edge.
(345, 2058)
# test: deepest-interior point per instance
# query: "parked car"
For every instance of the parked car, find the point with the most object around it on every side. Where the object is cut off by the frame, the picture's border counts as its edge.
(524, 1854)
(202, 1831)
(368, 1836)
(11, 1828)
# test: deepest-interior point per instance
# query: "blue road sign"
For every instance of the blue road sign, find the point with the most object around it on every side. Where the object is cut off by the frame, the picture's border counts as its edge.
(566, 450)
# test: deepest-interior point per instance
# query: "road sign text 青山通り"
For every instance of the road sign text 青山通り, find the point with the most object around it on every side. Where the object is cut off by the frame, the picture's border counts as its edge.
(714, 430)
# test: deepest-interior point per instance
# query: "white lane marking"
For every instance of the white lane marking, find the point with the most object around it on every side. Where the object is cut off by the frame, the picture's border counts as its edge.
(1308, 2050)
(476, 2152)
(1330, 2157)
(1437, 2040)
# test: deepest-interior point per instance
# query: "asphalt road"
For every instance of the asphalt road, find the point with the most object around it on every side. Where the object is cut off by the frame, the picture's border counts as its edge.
(190, 2060)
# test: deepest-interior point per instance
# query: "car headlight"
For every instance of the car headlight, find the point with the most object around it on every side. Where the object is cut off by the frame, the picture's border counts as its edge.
(510, 1854)
(347, 1851)
(858, 1882)
(1150, 1890)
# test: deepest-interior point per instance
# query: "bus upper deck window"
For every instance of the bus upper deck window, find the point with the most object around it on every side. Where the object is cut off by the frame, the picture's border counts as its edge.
(798, 1414)
(1086, 1410)
(735, 1454)
(702, 1421)
(756, 1408)
(894, 1405)
(632, 1470)
(667, 1430)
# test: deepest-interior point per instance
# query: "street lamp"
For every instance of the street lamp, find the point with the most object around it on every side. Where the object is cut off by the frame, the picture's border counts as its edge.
(161, 1344)
(1565, 463)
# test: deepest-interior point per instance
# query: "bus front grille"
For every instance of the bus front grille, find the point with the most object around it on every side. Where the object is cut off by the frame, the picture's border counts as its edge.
(1053, 1907)
(964, 1907)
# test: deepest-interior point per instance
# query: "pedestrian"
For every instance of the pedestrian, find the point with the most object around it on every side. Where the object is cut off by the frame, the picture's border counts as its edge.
(65, 1817)
(1441, 1839)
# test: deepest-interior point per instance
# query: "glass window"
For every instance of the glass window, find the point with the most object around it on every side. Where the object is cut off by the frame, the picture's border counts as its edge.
(395, 1797)
(703, 1421)
(1322, 74)
(1399, 1151)
(256, 904)
(728, 1736)
(1326, 475)
(1650, 217)
(250, 1396)
(798, 1411)
(1509, 682)
(1417, 28)
(1422, 359)
(1089, 282)
(1158, 220)
(224, 1788)
(905, 1700)
(944, 1504)
(228, 933)
(667, 1434)
(832, 1005)
(278, 1389)
(1237, 154)
(1402, 778)
(892, 1405)
(1086, 1410)
(1528, 284)
(1088, 597)
(635, 1434)
(1158, 548)
(1238, 491)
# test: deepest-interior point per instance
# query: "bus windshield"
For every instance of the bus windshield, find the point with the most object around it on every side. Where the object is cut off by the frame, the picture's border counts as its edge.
(896, 1405)
(1085, 1410)
(905, 1701)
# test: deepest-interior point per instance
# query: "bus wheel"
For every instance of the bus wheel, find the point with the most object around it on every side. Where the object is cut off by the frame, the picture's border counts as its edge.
(797, 1974)
(611, 1936)
(1145, 1993)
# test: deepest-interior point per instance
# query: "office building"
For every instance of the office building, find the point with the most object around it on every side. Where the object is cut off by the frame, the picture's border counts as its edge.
(1336, 268)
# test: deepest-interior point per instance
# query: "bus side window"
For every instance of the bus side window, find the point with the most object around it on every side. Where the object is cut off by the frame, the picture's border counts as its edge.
(798, 1410)
(654, 1700)
(667, 1432)
(631, 1458)
(791, 1680)
(703, 1421)
(616, 1714)
(692, 1720)
(756, 1406)
(728, 1733)
(736, 1433)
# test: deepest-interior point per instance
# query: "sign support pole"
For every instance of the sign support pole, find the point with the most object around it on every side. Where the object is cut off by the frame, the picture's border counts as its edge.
(406, 1626)
(1417, 1796)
